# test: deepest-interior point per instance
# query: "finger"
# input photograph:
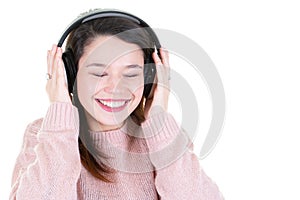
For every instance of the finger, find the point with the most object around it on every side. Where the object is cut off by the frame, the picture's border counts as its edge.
(164, 56)
(162, 72)
(52, 58)
(57, 67)
(61, 71)
(156, 59)
(48, 62)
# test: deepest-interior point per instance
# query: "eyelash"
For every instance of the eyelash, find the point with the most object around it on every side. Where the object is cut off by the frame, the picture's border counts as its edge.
(99, 75)
(128, 76)
(131, 75)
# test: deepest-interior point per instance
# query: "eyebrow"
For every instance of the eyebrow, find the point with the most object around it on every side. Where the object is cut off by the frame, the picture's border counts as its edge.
(134, 66)
(103, 65)
(95, 65)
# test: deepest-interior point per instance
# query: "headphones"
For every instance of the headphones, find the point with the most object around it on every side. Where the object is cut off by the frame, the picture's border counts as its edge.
(68, 56)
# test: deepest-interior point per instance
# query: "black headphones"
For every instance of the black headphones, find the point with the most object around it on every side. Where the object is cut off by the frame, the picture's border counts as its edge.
(68, 56)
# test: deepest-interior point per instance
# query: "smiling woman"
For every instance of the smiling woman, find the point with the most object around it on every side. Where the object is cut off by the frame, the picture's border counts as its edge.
(107, 134)
(110, 86)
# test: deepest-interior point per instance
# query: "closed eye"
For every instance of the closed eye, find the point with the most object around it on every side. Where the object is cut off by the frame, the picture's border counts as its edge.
(131, 75)
(99, 75)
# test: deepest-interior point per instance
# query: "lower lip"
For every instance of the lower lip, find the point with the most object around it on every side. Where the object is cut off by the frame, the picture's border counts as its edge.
(110, 109)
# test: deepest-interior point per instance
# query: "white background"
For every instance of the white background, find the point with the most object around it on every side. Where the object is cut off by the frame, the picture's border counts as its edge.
(255, 46)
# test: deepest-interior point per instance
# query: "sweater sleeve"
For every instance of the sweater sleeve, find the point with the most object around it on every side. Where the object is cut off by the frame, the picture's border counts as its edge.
(48, 166)
(178, 174)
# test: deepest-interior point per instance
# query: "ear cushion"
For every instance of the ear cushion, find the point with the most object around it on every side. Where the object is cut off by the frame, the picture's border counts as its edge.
(70, 67)
(149, 75)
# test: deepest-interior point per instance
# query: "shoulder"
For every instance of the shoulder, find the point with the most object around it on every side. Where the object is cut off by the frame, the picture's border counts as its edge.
(30, 136)
(34, 127)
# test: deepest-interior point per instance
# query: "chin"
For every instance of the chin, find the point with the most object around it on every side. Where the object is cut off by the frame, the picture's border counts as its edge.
(111, 121)
(103, 120)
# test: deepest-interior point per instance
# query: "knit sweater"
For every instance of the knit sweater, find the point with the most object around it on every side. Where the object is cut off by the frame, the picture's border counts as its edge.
(152, 161)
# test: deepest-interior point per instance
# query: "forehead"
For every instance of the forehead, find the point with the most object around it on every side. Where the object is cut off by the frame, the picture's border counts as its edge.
(108, 49)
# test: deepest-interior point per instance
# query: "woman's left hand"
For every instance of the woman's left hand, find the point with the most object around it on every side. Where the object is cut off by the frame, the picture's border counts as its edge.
(158, 99)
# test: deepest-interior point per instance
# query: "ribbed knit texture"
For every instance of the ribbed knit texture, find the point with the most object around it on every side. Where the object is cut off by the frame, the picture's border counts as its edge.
(152, 161)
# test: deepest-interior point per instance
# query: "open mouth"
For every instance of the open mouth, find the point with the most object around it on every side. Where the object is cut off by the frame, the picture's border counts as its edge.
(112, 105)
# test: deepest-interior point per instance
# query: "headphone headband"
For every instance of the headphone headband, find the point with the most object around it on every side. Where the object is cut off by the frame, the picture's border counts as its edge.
(101, 13)
(68, 56)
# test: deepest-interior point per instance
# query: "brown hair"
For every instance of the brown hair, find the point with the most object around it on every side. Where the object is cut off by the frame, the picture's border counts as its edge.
(77, 41)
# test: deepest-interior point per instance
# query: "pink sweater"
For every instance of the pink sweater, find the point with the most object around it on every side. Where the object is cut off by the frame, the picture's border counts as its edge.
(49, 167)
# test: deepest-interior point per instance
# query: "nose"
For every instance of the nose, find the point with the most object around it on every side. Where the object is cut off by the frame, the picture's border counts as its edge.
(113, 85)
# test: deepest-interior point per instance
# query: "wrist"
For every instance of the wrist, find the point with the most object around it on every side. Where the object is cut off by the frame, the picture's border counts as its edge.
(60, 116)
(160, 130)
(166, 141)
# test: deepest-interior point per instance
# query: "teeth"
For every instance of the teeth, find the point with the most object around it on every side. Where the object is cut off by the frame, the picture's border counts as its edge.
(112, 104)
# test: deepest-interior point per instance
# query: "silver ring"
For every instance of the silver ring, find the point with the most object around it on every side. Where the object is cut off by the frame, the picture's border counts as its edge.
(48, 76)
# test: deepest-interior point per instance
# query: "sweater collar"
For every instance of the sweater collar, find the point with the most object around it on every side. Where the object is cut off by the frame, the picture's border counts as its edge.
(122, 149)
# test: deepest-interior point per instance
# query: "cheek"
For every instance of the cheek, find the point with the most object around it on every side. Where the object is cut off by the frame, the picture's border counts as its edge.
(138, 93)
(86, 87)
(137, 90)
(134, 85)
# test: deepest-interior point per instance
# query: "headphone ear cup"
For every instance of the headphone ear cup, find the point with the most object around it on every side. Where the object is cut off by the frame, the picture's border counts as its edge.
(149, 75)
(70, 67)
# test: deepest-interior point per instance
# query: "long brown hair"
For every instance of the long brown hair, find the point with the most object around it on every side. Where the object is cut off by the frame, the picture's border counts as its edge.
(77, 41)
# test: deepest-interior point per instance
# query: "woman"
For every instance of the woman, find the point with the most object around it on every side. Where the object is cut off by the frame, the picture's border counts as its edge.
(108, 139)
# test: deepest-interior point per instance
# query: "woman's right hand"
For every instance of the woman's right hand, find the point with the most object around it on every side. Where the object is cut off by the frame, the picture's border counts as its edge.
(56, 86)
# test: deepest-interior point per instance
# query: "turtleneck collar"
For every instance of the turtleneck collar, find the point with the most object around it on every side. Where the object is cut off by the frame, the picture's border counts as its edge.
(122, 149)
